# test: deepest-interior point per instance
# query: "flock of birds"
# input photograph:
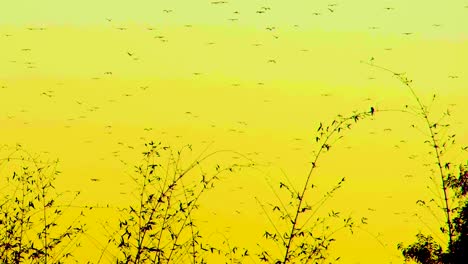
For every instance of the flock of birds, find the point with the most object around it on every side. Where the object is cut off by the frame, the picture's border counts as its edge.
(240, 126)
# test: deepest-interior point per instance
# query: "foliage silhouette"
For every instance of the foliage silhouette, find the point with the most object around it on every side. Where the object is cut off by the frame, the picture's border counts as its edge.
(426, 250)
(31, 209)
(300, 235)
(161, 227)
(452, 185)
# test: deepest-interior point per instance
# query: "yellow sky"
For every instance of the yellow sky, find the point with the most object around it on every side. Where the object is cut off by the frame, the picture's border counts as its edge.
(78, 77)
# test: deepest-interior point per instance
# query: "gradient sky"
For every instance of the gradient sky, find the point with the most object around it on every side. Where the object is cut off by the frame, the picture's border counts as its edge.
(81, 80)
